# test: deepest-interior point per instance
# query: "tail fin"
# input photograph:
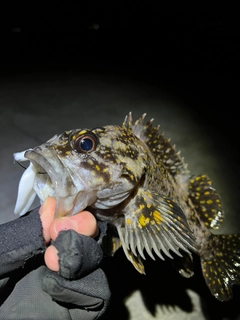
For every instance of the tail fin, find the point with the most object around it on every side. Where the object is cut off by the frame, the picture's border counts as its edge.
(222, 269)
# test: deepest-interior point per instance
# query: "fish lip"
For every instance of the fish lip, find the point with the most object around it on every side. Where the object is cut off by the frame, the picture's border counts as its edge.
(43, 166)
(55, 181)
(54, 177)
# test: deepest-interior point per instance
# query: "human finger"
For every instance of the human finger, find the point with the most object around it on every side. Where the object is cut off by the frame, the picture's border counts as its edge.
(47, 211)
(51, 258)
(83, 222)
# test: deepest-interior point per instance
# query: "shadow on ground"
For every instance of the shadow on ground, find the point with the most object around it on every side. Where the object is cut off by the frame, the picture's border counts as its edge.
(163, 286)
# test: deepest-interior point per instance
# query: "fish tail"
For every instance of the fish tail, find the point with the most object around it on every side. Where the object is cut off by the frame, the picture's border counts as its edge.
(221, 266)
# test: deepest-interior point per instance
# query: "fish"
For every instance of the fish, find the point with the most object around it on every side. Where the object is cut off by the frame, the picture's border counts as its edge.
(134, 179)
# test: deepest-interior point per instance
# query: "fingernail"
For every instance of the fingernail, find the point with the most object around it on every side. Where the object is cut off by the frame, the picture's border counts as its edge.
(64, 224)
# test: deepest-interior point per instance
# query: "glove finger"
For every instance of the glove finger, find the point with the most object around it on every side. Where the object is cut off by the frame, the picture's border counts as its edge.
(78, 254)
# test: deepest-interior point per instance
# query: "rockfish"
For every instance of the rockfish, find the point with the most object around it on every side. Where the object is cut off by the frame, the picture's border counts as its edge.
(132, 177)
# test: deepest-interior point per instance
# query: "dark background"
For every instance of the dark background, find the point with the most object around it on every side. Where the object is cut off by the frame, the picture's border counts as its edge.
(187, 49)
(189, 53)
(127, 33)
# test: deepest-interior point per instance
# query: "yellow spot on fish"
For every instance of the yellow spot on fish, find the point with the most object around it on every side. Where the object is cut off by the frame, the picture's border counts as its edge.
(82, 132)
(157, 217)
(128, 221)
(209, 201)
(90, 161)
(114, 247)
(149, 195)
(206, 193)
(98, 168)
(143, 220)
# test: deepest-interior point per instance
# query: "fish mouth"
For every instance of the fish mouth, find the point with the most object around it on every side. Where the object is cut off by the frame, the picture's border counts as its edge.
(47, 176)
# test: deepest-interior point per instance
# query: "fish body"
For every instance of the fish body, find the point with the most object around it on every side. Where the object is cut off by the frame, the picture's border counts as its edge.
(133, 178)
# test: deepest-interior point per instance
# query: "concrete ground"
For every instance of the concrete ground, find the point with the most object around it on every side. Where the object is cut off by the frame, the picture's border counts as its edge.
(37, 103)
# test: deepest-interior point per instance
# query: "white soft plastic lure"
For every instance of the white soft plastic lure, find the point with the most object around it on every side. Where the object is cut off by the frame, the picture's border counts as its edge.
(26, 192)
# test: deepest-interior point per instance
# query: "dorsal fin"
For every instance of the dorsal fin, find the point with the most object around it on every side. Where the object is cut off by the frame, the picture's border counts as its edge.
(161, 148)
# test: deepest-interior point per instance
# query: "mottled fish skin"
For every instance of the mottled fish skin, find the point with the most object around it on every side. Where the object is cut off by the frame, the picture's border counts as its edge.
(201, 204)
(133, 178)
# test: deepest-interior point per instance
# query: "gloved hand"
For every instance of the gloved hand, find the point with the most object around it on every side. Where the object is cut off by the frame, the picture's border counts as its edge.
(44, 294)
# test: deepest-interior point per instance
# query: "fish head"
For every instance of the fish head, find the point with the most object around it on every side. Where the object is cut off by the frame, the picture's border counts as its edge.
(97, 167)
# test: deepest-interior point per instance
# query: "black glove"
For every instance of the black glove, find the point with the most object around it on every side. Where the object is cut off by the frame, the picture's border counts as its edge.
(78, 254)
(43, 294)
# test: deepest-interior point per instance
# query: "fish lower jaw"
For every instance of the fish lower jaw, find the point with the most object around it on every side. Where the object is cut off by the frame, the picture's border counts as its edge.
(33, 183)
(66, 203)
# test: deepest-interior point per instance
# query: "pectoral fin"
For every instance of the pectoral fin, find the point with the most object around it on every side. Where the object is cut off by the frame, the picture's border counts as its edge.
(134, 258)
(156, 223)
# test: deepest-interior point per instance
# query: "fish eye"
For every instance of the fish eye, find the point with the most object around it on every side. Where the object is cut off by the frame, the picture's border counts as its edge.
(86, 143)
